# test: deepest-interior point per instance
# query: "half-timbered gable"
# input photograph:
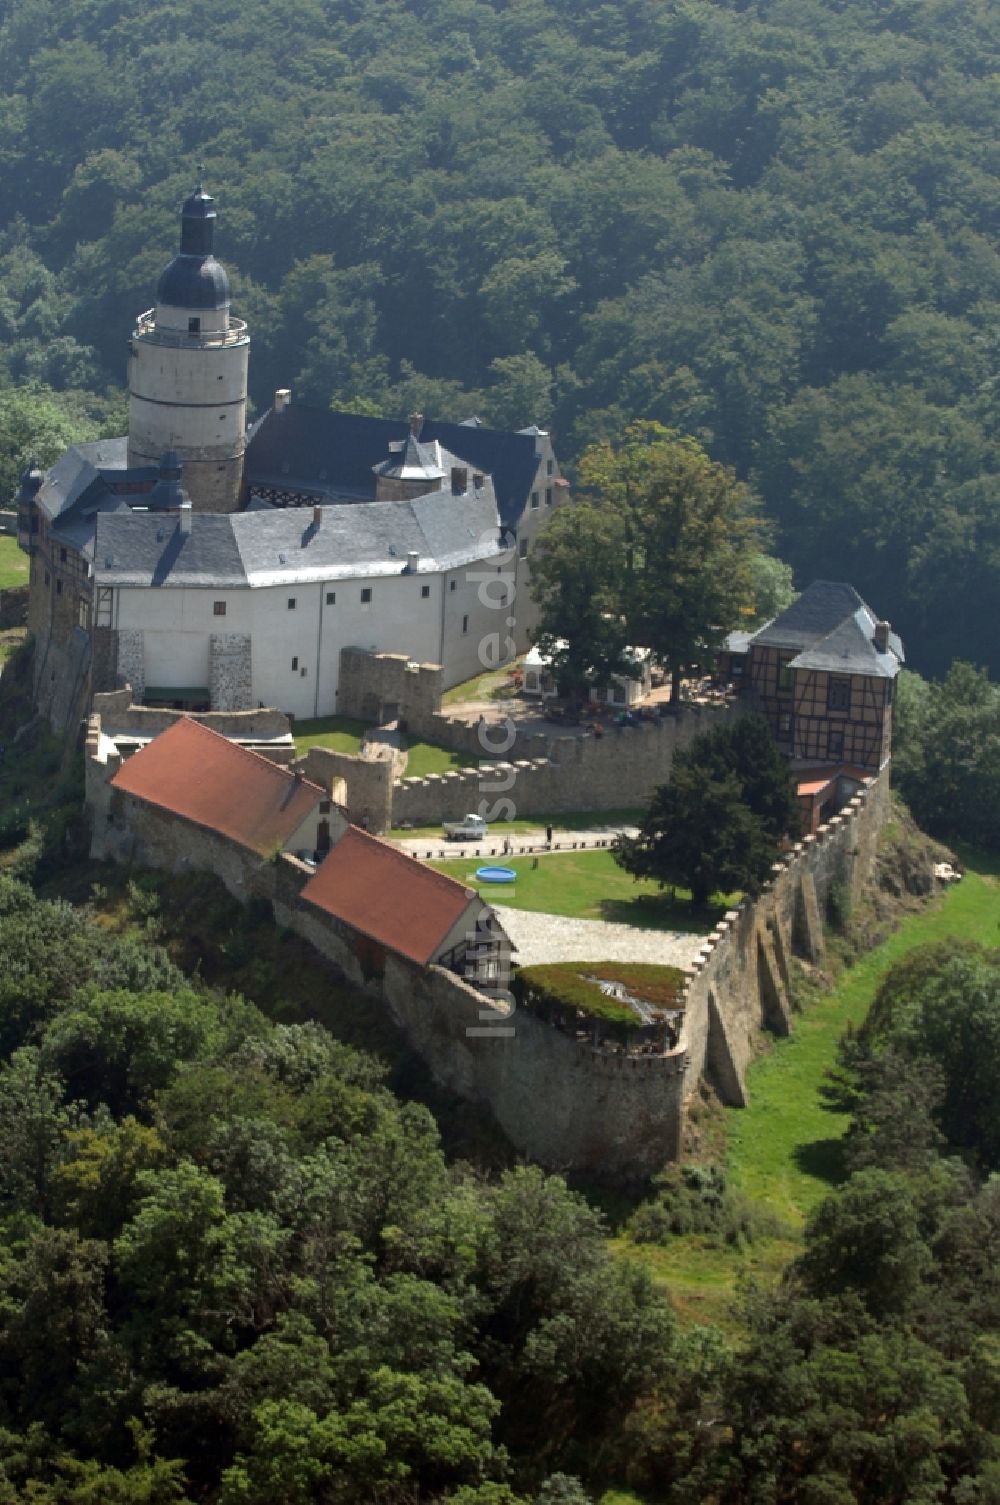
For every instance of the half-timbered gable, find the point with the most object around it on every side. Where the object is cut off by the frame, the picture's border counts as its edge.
(823, 673)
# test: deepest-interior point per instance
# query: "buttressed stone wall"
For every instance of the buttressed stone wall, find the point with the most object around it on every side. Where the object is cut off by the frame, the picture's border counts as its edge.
(741, 982)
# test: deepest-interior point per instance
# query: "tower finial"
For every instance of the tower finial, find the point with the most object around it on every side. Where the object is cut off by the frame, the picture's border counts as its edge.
(201, 178)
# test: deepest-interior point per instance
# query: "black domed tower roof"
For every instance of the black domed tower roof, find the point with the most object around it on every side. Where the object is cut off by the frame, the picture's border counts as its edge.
(194, 279)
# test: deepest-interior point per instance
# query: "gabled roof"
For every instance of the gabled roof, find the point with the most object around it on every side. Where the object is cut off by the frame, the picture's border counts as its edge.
(821, 607)
(388, 896)
(849, 649)
(313, 450)
(194, 772)
(833, 630)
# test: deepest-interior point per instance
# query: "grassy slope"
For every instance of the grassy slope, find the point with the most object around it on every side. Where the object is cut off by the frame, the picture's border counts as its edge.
(782, 1149)
(587, 886)
(13, 564)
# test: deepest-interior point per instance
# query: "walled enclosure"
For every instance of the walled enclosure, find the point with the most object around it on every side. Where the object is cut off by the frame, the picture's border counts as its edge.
(559, 1100)
(533, 775)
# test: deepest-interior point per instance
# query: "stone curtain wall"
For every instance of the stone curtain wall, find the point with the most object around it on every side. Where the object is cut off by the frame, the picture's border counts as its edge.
(618, 770)
(741, 983)
(367, 784)
(371, 682)
(560, 1101)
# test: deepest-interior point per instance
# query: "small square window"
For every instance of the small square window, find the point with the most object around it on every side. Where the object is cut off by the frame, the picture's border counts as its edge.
(425, 591)
(331, 598)
(291, 603)
(324, 807)
(522, 549)
(534, 500)
(366, 594)
(218, 608)
(548, 496)
(295, 664)
(465, 624)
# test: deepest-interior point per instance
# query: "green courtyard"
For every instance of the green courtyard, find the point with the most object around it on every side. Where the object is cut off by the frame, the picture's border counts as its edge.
(587, 886)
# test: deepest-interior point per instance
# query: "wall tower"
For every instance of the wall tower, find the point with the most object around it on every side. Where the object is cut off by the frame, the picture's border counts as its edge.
(187, 373)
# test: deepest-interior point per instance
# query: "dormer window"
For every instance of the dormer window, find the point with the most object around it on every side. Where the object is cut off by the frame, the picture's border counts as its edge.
(194, 326)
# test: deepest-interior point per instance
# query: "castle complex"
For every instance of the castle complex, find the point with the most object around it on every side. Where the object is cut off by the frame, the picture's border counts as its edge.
(212, 567)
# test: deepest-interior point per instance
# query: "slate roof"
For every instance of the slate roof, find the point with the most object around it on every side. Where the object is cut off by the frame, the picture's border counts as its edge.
(89, 479)
(834, 630)
(283, 546)
(387, 895)
(193, 772)
(413, 461)
(148, 548)
(319, 452)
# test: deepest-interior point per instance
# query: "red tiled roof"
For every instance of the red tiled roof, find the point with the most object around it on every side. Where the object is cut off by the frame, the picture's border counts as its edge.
(387, 895)
(198, 774)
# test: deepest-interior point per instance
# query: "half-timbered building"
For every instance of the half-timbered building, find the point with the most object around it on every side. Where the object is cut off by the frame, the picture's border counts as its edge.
(823, 672)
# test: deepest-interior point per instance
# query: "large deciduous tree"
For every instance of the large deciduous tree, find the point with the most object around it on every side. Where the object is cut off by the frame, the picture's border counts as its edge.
(715, 826)
(661, 554)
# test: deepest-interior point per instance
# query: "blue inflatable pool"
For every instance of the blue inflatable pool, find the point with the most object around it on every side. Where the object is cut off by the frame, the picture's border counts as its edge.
(490, 874)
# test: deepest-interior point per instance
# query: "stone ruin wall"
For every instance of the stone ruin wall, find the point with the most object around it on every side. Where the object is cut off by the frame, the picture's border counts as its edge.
(116, 710)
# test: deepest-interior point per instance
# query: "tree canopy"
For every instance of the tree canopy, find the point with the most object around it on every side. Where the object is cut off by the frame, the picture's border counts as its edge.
(769, 227)
(716, 825)
(660, 556)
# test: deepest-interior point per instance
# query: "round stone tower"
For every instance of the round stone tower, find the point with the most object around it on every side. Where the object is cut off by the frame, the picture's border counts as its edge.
(187, 375)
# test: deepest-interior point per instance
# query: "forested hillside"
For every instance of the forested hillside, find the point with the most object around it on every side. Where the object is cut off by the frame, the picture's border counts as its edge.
(769, 225)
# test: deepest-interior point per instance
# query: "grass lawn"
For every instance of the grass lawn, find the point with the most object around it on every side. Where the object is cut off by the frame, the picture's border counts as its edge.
(584, 820)
(13, 564)
(783, 1148)
(586, 886)
(342, 733)
(345, 734)
(491, 685)
(423, 758)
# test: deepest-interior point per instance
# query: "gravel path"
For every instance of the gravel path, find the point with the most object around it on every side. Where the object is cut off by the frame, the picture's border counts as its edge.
(522, 844)
(555, 938)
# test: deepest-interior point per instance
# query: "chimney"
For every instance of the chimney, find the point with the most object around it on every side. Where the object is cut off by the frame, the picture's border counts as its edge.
(282, 398)
(882, 637)
(459, 480)
(184, 519)
(412, 561)
(317, 516)
(416, 424)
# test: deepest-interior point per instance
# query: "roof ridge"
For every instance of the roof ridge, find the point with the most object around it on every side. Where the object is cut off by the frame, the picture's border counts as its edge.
(248, 752)
(441, 879)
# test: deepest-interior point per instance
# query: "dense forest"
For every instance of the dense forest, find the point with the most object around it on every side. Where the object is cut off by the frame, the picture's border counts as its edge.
(770, 225)
(235, 1267)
